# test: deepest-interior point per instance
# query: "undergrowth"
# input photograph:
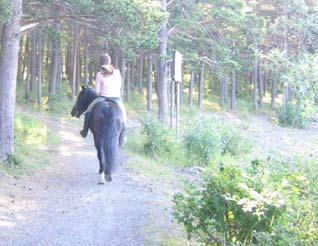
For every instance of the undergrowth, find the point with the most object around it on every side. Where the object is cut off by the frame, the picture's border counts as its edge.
(32, 141)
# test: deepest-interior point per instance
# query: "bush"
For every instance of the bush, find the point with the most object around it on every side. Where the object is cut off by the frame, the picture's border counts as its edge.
(207, 138)
(227, 209)
(160, 141)
(271, 202)
(295, 116)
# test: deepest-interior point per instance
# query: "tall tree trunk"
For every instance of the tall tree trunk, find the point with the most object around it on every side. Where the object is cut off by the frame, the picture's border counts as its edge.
(222, 91)
(40, 70)
(191, 86)
(149, 84)
(140, 66)
(260, 86)
(286, 97)
(20, 62)
(201, 87)
(33, 61)
(122, 68)
(274, 90)
(157, 68)
(90, 73)
(233, 90)
(226, 89)
(132, 75)
(74, 71)
(163, 85)
(85, 65)
(25, 56)
(55, 60)
(128, 86)
(255, 85)
(27, 80)
(78, 70)
(8, 74)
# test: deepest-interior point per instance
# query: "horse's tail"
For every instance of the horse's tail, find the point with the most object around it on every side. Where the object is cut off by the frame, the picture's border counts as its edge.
(110, 137)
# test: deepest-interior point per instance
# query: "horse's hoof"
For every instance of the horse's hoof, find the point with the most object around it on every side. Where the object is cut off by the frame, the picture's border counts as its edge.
(101, 179)
(108, 178)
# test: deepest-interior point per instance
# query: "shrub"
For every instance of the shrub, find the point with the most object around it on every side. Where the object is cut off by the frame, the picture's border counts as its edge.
(295, 115)
(228, 208)
(160, 141)
(271, 202)
(207, 138)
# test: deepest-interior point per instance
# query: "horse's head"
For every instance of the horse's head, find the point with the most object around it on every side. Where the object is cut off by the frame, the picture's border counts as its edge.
(85, 97)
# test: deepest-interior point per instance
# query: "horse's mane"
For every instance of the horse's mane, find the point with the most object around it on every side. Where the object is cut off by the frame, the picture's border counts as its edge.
(90, 92)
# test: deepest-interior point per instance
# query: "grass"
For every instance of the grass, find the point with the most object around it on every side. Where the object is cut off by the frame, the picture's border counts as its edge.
(33, 141)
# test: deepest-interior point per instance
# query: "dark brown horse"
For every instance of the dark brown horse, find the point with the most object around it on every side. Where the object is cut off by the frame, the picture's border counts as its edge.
(106, 123)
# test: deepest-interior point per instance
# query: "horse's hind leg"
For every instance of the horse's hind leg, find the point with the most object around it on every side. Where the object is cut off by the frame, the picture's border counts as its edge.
(102, 167)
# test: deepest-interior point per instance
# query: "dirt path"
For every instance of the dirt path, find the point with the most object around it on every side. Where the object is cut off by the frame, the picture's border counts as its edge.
(270, 138)
(63, 205)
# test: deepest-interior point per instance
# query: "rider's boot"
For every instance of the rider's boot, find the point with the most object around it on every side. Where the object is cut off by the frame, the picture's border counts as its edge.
(86, 125)
(122, 136)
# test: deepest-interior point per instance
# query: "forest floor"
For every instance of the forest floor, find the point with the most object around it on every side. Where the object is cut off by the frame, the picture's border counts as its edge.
(63, 205)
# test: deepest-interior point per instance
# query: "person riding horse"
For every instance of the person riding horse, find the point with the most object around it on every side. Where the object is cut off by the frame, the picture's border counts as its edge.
(108, 87)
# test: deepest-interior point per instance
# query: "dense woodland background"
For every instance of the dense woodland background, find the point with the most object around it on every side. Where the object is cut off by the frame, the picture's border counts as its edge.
(250, 50)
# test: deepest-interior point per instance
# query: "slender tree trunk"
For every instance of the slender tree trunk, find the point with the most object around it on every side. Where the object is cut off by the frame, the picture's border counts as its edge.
(163, 85)
(90, 73)
(274, 90)
(78, 70)
(40, 70)
(149, 84)
(8, 74)
(128, 87)
(74, 72)
(132, 75)
(115, 60)
(25, 56)
(255, 85)
(286, 51)
(27, 80)
(201, 87)
(20, 62)
(222, 91)
(55, 60)
(233, 90)
(260, 86)
(33, 61)
(122, 68)
(85, 65)
(191, 86)
(157, 66)
(140, 72)
(226, 89)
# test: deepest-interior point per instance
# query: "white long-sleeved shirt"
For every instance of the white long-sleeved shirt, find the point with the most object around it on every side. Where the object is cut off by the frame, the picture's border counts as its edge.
(108, 85)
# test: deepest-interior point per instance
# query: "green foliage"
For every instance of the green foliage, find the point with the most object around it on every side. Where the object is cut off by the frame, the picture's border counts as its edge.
(5, 11)
(297, 116)
(228, 207)
(207, 138)
(31, 139)
(160, 141)
(61, 102)
(272, 202)
(300, 75)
